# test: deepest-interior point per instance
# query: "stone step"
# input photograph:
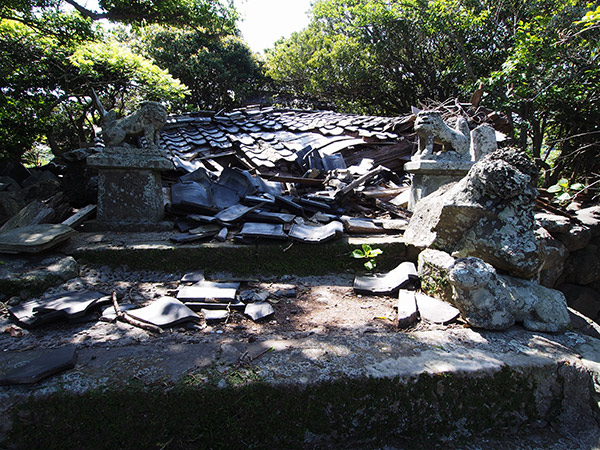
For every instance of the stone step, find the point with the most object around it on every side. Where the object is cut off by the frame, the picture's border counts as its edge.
(294, 386)
(305, 390)
(154, 251)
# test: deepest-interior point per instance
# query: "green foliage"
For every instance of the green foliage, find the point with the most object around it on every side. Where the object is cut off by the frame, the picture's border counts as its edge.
(112, 62)
(377, 56)
(564, 191)
(50, 60)
(220, 72)
(209, 16)
(47, 86)
(366, 252)
(553, 81)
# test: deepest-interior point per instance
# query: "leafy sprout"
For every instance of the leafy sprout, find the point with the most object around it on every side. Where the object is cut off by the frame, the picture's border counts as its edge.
(368, 253)
(564, 191)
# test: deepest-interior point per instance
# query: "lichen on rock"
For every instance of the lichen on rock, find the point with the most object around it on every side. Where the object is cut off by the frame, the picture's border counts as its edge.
(488, 214)
(492, 301)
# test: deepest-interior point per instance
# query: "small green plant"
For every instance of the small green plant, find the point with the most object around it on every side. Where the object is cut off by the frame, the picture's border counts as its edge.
(368, 253)
(564, 191)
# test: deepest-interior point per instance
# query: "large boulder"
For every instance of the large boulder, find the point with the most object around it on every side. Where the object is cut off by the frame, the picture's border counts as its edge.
(488, 300)
(488, 215)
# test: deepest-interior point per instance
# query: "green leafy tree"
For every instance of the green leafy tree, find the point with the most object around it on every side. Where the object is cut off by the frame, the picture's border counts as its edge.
(383, 56)
(220, 71)
(210, 16)
(550, 85)
(50, 59)
(47, 84)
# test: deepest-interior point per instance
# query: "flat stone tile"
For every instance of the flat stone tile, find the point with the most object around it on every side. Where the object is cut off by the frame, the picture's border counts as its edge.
(435, 310)
(49, 363)
(403, 276)
(208, 290)
(73, 304)
(316, 234)
(34, 238)
(194, 277)
(233, 213)
(257, 311)
(215, 315)
(263, 230)
(58, 307)
(208, 230)
(165, 312)
(200, 306)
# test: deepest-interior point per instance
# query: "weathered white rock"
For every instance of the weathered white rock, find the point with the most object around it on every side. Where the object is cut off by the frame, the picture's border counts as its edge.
(488, 214)
(488, 300)
(575, 238)
(553, 222)
(590, 217)
(496, 302)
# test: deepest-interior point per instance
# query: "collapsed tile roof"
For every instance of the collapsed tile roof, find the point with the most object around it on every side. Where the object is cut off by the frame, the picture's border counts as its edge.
(269, 139)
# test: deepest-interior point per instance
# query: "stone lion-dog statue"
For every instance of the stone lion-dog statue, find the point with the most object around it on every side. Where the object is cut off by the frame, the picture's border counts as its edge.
(147, 120)
(431, 129)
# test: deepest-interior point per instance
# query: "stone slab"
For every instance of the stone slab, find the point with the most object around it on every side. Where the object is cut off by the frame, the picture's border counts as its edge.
(48, 363)
(258, 311)
(34, 238)
(263, 230)
(435, 310)
(66, 306)
(201, 306)
(193, 277)
(233, 213)
(80, 216)
(129, 196)
(208, 290)
(429, 176)
(436, 167)
(72, 304)
(215, 315)
(408, 313)
(129, 158)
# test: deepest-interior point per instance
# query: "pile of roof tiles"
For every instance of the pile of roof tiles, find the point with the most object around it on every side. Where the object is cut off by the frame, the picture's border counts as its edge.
(269, 138)
(286, 174)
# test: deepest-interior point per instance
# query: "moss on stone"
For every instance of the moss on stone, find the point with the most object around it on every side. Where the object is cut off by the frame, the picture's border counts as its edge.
(275, 259)
(256, 415)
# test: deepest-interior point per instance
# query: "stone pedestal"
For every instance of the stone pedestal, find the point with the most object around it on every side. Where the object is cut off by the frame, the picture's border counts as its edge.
(430, 175)
(129, 186)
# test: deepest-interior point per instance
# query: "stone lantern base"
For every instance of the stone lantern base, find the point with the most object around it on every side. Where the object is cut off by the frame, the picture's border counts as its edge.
(429, 175)
(129, 187)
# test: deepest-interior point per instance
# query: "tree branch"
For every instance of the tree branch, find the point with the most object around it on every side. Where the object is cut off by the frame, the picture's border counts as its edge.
(85, 12)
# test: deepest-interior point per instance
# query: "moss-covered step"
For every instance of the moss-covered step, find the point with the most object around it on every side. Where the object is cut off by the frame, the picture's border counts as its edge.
(153, 251)
(348, 390)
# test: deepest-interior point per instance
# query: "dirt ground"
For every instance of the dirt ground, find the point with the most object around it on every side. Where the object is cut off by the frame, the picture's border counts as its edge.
(302, 305)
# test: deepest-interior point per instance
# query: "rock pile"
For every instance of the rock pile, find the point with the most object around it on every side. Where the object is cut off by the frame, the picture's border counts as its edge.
(480, 225)
(573, 264)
